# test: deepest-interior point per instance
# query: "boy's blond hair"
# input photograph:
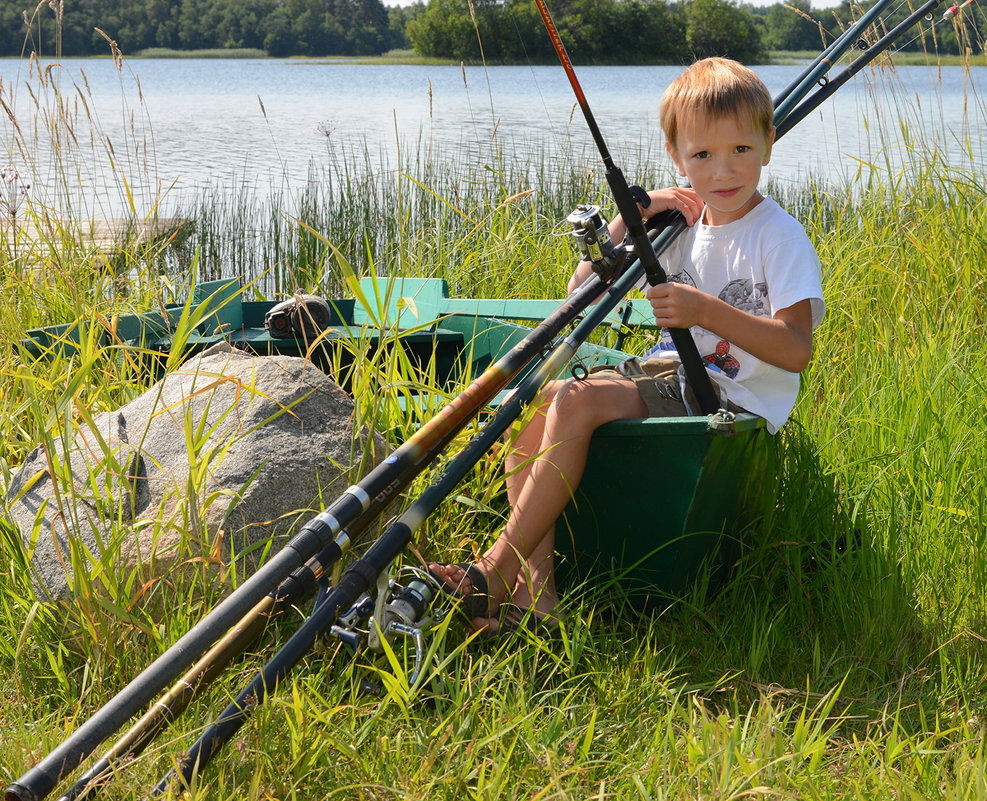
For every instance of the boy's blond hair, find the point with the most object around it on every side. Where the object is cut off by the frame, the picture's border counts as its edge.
(717, 87)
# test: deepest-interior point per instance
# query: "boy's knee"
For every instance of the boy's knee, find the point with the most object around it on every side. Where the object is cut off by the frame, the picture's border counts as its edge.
(575, 405)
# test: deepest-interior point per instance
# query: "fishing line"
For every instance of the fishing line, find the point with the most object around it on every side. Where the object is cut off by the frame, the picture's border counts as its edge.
(954, 13)
(563, 143)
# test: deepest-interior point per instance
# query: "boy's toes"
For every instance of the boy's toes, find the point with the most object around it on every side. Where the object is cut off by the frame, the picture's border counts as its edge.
(466, 583)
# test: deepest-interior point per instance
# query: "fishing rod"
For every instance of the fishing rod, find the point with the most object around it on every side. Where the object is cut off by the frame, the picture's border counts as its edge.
(627, 201)
(406, 612)
(872, 51)
(324, 534)
(398, 536)
(666, 226)
(817, 69)
(672, 224)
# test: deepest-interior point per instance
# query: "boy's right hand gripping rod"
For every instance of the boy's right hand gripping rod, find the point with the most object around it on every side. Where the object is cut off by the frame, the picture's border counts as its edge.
(624, 198)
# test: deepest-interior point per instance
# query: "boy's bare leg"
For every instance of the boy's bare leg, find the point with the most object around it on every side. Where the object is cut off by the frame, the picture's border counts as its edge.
(577, 409)
(535, 584)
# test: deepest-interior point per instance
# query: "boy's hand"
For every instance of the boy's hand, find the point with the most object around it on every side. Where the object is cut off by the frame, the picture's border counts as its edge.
(677, 305)
(675, 197)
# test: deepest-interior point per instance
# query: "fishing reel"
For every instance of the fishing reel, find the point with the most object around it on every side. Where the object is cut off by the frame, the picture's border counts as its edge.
(403, 610)
(592, 236)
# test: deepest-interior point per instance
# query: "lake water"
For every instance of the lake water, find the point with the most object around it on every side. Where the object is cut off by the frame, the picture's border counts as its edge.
(264, 124)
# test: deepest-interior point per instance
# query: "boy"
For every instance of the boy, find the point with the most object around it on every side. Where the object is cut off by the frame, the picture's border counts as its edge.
(744, 278)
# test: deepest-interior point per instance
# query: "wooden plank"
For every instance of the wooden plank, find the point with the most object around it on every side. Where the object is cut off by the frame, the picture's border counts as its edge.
(108, 236)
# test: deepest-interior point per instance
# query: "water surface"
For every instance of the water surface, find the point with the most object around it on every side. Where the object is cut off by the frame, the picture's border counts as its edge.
(179, 125)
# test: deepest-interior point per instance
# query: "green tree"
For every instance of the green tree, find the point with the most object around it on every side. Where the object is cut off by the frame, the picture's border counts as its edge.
(445, 30)
(239, 22)
(279, 40)
(196, 25)
(161, 17)
(358, 27)
(398, 18)
(650, 33)
(791, 26)
(721, 28)
(308, 27)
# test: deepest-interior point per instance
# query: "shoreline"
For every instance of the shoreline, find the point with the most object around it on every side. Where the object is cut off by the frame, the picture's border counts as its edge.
(407, 57)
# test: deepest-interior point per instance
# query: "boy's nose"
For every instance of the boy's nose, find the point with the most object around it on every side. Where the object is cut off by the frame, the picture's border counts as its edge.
(722, 167)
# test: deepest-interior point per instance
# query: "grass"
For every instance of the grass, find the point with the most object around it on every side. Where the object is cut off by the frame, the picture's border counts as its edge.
(976, 57)
(213, 52)
(844, 659)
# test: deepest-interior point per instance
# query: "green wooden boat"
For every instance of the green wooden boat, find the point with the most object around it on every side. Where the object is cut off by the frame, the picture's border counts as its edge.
(662, 502)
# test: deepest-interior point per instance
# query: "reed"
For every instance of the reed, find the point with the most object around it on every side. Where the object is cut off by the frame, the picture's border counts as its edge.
(844, 659)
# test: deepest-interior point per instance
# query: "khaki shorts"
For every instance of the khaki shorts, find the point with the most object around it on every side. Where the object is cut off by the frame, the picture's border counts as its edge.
(660, 382)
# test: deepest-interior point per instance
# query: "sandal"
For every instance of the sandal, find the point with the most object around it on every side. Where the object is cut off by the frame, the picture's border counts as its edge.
(476, 604)
(515, 619)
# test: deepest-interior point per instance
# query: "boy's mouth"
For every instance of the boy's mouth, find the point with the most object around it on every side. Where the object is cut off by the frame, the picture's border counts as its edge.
(726, 193)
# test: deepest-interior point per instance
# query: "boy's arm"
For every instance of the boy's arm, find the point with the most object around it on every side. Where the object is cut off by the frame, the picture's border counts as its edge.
(675, 197)
(784, 340)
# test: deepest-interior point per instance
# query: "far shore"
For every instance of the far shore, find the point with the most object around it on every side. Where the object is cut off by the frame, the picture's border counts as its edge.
(399, 57)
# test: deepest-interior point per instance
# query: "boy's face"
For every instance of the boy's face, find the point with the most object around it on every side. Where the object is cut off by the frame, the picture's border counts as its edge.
(722, 158)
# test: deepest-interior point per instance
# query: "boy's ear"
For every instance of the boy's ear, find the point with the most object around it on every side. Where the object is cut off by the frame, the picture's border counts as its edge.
(767, 150)
(674, 157)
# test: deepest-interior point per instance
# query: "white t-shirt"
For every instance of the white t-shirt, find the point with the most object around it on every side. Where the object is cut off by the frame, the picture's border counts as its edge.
(760, 263)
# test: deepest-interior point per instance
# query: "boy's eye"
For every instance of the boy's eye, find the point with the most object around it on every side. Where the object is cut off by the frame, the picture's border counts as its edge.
(702, 154)
(743, 148)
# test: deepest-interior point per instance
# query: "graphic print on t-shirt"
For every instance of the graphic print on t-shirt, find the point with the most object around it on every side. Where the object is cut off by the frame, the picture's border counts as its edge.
(722, 360)
(744, 294)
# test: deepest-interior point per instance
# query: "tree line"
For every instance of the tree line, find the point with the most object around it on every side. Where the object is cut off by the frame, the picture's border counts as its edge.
(498, 31)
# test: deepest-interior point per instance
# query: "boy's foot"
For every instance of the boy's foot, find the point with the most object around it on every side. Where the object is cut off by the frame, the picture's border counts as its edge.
(466, 582)
(545, 605)
(514, 619)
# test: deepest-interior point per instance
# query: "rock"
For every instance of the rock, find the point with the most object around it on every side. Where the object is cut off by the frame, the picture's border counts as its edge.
(219, 459)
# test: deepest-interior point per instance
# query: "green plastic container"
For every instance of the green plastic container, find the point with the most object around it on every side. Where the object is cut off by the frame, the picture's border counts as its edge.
(664, 502)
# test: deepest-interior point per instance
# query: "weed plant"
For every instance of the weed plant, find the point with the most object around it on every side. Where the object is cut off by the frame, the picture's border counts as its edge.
(844, 657)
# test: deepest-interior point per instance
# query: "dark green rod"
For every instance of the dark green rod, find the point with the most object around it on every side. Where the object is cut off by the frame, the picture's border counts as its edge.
(814, 100)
